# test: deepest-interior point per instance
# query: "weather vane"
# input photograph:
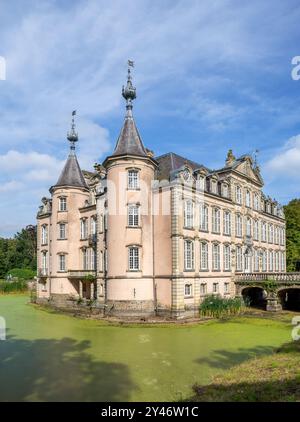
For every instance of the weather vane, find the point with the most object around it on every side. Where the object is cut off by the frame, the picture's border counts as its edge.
(255, 154)
(73, 135)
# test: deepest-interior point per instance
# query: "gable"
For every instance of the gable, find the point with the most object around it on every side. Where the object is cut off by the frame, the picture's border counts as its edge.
(245, 168)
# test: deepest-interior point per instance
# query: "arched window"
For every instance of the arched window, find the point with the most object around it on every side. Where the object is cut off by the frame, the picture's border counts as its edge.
(134, 258)
(227, 258)
(216, 220)
(248, 198)
(248, 226)
(133, 215)
(227, 222)
(133, 179)
(239, 258)
(203, 256)
(203, 217)
(188, 214)
(238, 225)
(216, 256)
(238, 195)
(188, 255)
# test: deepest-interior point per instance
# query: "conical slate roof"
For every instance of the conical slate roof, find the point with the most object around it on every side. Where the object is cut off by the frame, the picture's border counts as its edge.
(71, 174)
(129, 141)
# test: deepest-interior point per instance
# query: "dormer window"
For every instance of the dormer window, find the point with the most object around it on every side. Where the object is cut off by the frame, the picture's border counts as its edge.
(63, 203)
(201, 183)
(133, 179)
(214, 186)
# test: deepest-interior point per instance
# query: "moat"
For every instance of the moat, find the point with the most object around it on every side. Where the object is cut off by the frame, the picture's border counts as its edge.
(55, 357)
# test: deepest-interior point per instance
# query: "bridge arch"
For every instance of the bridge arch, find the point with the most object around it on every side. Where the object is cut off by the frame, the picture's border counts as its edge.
(290, 298)
(255, 296)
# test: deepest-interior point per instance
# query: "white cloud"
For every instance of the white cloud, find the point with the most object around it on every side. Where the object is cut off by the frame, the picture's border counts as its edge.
(286, 162)
(11, 186)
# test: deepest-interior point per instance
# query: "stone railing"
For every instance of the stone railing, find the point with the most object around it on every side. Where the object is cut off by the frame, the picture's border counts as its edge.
(81, 273)
(277, 277)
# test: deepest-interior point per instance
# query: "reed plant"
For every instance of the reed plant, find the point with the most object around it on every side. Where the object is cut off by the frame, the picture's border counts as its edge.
(218, 307)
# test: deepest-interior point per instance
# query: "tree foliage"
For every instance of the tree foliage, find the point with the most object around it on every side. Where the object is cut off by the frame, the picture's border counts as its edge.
(19, 251)
(292, 214)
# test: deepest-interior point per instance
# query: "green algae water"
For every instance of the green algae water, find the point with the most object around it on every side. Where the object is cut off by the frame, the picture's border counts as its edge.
(55, 357)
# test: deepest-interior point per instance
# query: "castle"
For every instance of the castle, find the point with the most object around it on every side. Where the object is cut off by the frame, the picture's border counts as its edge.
(146, 235)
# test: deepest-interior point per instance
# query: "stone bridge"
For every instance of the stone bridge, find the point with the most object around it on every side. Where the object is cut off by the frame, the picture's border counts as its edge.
(271, 291)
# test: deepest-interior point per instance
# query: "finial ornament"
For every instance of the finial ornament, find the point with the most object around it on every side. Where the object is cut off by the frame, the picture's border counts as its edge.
(255, 154)
(129, 91)
(73, 135)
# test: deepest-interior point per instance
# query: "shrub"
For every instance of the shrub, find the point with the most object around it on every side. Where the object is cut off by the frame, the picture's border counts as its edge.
(218, 307)
(22, 273)
(13, 286)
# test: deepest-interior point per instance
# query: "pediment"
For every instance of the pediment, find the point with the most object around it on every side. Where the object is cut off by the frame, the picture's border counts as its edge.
(246, 168)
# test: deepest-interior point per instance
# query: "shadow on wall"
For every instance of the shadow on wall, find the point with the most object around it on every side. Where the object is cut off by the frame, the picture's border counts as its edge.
(59, 370)
(225, 359)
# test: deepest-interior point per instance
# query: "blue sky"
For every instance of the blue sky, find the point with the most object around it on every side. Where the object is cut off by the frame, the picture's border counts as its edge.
(210, 75)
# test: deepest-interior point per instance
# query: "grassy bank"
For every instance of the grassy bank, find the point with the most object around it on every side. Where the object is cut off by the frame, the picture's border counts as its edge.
(264, 379)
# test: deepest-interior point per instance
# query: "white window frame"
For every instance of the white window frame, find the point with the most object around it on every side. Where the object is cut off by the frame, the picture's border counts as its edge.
(62, 203)
(134, 258)
(238, 195)
(62, 262)
(216, 257)
(133, 215)
(188, 255)
(83, 229)
(188, 214)
(44, 234)
(188, 290)
(216, 220)
(203, 218)
(133, 179)
(62, 231)
(248, 199)
(227, 223)
(239, 258)
(238, 225)
(227, 257)
(204, 256)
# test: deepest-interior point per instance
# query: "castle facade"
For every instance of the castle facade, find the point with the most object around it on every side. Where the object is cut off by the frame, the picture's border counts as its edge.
(146, 235)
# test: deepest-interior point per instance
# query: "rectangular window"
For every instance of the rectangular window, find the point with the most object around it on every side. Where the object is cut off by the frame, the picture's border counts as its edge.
(239, 258)
(248, 227)
(188, 255)
(227, 223)
(44, 263)
(93, 225)
(216, 220)
(227, 263)
(216, 257)
(226, 287)
(238, 225)
(134, 263)
(203, 288)
(85, 258)
(256, 260)
(188, 290)
(188, 214)
(282, 262)
(248, 199)
(44, 235)
(203, 256)
(263, 232)
(201, 183)
(203, 217)
(83, 229)
(225, 190)
(271, 233)
(215, 287)
(62, 231)
(93, 259)
(256, 230)
(264, 261)
(133, 215)
(271, 261)
(62, 262)
(133, 179)
(238, 195)
(62, 204)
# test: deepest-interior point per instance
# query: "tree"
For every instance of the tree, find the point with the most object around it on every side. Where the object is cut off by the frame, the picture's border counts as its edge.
(292, 214)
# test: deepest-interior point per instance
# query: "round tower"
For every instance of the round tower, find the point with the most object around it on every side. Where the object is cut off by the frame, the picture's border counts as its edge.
(68, 196)
(130, 286)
